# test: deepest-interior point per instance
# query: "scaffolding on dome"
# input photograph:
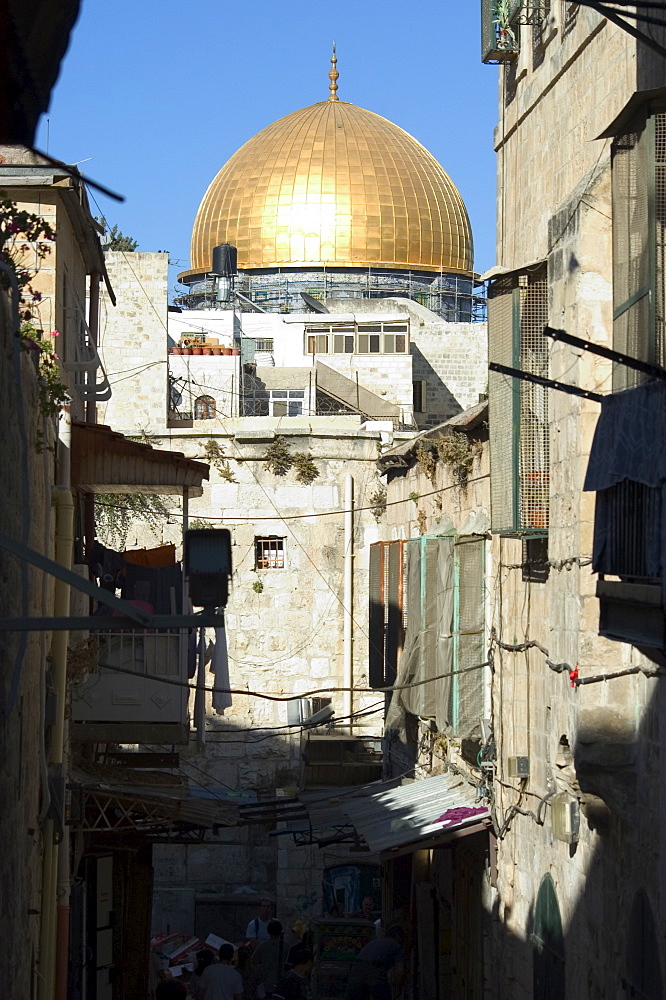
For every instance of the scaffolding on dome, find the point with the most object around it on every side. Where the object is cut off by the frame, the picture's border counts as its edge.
(450, 296)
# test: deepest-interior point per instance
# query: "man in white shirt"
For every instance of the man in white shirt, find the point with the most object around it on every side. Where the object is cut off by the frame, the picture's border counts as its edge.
(257, 929)
(220, 981)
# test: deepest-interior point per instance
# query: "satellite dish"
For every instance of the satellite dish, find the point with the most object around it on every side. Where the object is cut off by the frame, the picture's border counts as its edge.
(314, 304)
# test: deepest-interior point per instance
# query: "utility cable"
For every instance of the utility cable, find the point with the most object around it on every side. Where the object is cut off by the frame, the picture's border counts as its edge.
(301, 694)
(296, 517)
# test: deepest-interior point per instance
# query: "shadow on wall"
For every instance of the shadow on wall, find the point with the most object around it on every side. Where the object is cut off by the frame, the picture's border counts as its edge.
(610, 945)
(440, 403)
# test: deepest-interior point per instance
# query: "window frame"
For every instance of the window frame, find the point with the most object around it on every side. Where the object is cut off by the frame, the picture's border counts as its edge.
(385, 332)
(210, 405)
(269, 543)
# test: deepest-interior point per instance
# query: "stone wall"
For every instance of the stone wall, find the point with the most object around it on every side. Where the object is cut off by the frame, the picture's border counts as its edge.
(22, 679)
(599, 743)
(133, 342)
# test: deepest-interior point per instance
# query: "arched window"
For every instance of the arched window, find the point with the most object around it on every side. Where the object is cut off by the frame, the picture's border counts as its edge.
(204, 408)
(548, 942)
(643, 970)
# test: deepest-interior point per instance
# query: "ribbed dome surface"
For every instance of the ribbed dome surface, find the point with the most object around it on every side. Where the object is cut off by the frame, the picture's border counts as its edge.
(334, 185)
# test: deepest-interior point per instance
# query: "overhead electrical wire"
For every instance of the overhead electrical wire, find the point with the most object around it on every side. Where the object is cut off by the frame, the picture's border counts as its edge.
(297, 517)
(302, 694)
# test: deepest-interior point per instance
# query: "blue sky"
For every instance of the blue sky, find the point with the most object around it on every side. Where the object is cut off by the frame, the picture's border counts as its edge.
(153, 97)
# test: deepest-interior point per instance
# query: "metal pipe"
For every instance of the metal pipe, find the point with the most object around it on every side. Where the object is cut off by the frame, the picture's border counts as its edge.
(347, 603)
(93, 329)
(56, 861)
(184, 635)
(200, 696)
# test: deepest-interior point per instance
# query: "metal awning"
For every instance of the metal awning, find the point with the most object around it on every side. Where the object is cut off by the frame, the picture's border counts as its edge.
(152, 803)
(385, 815)
(419, 814)
(104, 461)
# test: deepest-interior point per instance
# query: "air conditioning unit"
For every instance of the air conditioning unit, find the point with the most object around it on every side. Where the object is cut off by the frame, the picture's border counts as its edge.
(519, 767)
(299, 711)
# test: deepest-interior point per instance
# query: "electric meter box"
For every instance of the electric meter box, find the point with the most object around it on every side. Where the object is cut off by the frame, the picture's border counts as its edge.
(519, 767)
(565, 818)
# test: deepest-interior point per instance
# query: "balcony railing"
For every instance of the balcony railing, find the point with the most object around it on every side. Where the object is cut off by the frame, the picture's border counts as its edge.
(133, 690)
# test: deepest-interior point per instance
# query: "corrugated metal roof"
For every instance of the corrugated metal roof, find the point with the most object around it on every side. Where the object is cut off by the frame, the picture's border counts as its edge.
(107, 462)
(435, 806)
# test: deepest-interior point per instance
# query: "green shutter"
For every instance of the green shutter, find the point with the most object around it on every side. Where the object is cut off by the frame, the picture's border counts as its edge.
(633, 249)
(534, 460)
(518, 410)
(503, 402)
(376, 616)
(394, 616)
(467, 689)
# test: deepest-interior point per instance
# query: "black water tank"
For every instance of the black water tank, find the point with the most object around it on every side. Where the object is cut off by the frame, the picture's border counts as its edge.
(224, 260)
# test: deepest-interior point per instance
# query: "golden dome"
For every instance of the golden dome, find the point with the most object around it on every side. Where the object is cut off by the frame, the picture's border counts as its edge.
(333, 185)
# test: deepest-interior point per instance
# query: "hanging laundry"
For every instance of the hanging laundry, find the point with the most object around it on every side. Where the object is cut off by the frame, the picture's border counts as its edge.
(219, 666)
(162, 555)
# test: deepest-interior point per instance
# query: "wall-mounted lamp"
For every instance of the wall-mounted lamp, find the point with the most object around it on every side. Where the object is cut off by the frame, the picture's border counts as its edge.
(208, 566)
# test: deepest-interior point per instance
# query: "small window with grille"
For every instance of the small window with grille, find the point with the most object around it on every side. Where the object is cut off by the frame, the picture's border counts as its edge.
(518, 410)
(204, 408)
(269, 552)
(638, 177)
(264, 345)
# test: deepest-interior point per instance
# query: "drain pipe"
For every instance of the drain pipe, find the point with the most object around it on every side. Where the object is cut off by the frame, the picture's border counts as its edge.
(347, 604)
(56, 875)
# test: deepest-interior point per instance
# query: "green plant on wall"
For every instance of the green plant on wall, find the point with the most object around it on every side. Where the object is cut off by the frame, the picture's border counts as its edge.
(116, 512)
(414, 497)
(52, 392)
(277, 458)
(217, 458)
(306, 470)
(426, 457)
(377, 501)
(456, 451)
(258, 587)
(422, 521)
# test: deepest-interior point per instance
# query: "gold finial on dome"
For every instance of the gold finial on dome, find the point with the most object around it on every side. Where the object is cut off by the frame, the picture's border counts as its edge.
(333, 76)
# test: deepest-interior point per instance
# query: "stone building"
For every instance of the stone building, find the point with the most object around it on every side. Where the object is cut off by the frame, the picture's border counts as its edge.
(541, 693)
(348, 325)
(579, 127)
(563, 893)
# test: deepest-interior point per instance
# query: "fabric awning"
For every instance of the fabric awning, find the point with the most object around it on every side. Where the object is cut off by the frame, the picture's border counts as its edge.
(104, 461)
(419, 814)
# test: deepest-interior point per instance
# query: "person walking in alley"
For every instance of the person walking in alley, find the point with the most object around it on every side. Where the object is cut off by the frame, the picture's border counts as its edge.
(257, 929)
(294, 986)
(368, 978)
(220, 981)
(268, 957)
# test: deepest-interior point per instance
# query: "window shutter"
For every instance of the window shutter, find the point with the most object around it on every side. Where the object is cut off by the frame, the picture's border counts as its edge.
(534, 464)
(394, 615)
(467, 689)
(503, 405)
(633, 243)
(376, 617)
(419, 395)
(518, 410)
